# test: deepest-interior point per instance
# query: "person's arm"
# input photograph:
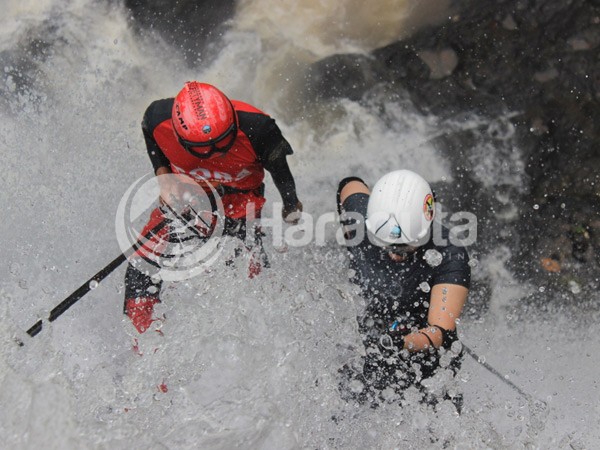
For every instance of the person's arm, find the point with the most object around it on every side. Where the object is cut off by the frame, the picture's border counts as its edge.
(445, 306)
(272, 150)
(157, 112)
(157, 157)
(348, 187)
(276, 164)
(352, 186)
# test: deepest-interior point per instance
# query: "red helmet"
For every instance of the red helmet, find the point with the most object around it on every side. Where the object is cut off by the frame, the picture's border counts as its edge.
(204, 119)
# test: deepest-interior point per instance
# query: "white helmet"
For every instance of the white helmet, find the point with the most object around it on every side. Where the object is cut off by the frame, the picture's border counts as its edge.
(401, 209)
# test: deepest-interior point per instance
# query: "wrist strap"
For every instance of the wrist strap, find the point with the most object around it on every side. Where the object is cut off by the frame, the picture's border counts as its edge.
(428, 338)
(448, 337)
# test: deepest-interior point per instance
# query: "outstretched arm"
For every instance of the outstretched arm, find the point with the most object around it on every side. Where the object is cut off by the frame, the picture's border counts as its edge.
(445, 306)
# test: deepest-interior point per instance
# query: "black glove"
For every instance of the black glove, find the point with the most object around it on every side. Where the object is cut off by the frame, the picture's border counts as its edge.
(291, 212)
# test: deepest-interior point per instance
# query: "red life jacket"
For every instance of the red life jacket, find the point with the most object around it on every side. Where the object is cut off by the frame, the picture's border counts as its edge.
(239, 168)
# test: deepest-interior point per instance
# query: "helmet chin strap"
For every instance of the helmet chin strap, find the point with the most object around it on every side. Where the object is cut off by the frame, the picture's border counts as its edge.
(390, 217)
(382, 225)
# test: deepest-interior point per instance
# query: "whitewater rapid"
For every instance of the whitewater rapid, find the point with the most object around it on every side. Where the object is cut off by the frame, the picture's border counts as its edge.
(239, 362)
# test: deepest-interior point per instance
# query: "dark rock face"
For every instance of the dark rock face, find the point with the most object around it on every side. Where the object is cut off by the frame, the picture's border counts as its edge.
(347, 76)
(537, 58)
(187, 25)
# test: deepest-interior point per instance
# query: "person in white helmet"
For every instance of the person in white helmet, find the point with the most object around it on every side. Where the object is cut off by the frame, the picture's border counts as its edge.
(415, 287)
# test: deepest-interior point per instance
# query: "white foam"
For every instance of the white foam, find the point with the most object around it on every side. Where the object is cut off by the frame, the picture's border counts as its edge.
(239, 363)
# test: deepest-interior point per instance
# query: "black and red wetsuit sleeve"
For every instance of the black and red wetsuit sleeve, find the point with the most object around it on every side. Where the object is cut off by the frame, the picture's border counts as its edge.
(272, 150)
(156, 113)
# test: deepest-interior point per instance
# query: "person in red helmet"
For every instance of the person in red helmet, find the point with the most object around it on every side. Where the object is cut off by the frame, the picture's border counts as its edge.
(227, 144)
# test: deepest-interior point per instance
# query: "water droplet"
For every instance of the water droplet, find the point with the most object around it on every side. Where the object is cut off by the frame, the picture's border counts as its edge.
(424, 286)
(472, 263)
(542, 289)
(356, 386)
(456, 347)
(433, 257)
(536, 206)
(48, 289)
(574, 287)
(14, 269)
(93, 284)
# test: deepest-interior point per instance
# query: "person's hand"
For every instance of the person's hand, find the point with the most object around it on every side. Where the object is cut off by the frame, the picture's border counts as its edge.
(178, 191)
(171, 190)
(291, 213)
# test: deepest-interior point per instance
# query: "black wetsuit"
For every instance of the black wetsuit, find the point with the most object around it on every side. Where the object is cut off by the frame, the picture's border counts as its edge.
(398, 296)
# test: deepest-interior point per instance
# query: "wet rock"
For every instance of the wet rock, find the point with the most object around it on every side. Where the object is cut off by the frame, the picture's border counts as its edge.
(538, 59)
(185, 24)
(347, 76)
(441, 63)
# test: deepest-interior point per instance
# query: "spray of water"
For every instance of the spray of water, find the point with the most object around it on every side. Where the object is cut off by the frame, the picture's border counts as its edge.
(233, 362)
